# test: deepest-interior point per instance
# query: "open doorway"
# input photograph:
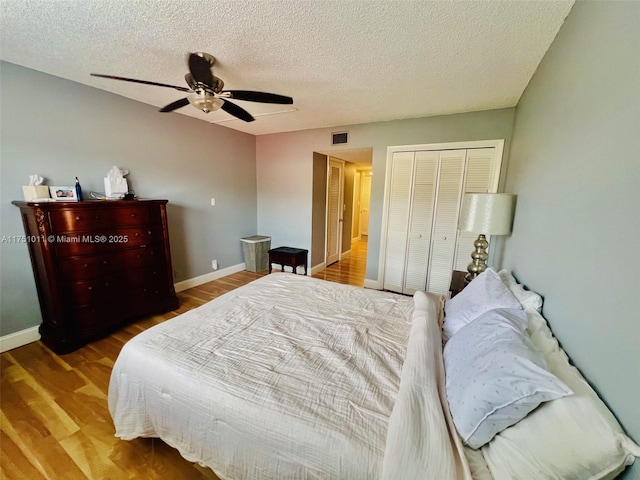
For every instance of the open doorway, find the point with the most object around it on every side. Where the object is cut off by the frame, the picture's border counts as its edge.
(328, 244)
(361, 202)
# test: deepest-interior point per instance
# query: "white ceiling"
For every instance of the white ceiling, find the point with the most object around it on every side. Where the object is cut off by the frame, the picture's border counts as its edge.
(343, 61)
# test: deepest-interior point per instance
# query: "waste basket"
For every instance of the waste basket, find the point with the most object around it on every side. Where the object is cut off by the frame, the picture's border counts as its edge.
(255, 250)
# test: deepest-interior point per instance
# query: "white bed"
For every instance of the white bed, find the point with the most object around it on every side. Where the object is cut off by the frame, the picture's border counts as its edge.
(294, 377)
(298, 378)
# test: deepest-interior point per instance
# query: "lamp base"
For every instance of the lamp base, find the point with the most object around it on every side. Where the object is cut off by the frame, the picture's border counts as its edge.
(479, 257)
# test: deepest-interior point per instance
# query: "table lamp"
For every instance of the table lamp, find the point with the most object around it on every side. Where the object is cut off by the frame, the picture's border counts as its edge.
(485, 214)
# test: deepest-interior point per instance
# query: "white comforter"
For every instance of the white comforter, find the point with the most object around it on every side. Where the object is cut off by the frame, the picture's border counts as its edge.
(293, 377)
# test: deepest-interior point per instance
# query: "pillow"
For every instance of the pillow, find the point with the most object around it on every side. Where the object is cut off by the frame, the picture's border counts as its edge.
(527, 298)
(495, 376)
(485, 292)
(572, 437)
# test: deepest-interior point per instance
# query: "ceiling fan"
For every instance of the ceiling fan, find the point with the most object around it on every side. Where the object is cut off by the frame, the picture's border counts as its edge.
(207, 92)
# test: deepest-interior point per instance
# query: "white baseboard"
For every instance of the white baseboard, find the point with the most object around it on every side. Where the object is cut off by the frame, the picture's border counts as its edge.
(19, 339)
(208, 277)
(318, 268)
(375, 284)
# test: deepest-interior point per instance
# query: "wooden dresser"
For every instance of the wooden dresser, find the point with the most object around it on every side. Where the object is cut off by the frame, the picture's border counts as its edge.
(97, 264)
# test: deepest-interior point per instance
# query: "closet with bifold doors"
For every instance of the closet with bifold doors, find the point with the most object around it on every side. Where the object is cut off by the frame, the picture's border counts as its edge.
(424, 187)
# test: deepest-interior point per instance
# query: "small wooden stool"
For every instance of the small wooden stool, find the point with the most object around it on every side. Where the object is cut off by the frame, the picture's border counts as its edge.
(291, 257)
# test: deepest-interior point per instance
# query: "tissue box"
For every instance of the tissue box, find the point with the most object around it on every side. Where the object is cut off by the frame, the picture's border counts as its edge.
(115, 188)
(32, 192)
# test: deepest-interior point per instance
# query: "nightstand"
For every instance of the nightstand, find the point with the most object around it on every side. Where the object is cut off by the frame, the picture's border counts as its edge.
(458, 282)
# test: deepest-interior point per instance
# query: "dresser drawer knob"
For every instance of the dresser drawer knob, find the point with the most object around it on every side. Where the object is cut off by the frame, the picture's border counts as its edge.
(89, 288)
(78, 218)
(86, 265)
(105, 262)
(133, 214)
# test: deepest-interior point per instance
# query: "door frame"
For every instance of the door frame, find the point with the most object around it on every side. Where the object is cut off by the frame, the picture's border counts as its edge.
(328, 261)
(498, 144)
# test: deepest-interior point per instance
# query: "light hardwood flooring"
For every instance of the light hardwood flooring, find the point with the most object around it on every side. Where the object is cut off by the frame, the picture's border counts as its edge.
(54, 419)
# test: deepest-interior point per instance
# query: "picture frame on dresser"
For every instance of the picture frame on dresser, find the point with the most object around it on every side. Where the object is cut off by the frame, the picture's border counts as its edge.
(63, 194)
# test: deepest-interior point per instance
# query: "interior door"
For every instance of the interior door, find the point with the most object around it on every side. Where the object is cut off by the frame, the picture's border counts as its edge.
(425, 179)
(445, 220)
(335, 192)
(365, 200)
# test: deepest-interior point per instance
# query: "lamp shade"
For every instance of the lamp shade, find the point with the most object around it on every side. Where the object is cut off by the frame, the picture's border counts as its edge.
(487, 213)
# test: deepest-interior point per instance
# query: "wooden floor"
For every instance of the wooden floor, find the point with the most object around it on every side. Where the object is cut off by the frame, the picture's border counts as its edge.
(53, 409)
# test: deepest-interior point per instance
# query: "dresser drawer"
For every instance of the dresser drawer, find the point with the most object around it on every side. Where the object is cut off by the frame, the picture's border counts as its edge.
(88, 267)
(115, 290)
(106, 239)
(74, 220)
(100, 316)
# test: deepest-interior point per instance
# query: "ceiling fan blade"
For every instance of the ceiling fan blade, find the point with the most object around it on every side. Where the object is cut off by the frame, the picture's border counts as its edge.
(200, 69)
(236, 111)
(145, 82)
(175, 105)
(261, 97)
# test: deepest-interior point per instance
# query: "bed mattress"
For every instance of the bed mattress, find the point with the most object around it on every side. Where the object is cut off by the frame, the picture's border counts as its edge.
(287, 377)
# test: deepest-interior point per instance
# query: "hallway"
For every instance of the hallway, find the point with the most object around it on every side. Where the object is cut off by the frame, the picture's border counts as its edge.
(350, 270)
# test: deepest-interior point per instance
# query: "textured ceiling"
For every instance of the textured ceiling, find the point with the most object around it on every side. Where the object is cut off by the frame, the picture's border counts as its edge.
(344, 61)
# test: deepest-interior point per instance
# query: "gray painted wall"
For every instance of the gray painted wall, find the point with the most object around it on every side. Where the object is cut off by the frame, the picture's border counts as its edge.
(61, 129)
(575, 165)
(285, 168)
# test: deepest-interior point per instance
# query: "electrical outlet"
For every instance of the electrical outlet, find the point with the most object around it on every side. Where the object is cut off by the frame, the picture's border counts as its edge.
(213, 202)
(214, 264)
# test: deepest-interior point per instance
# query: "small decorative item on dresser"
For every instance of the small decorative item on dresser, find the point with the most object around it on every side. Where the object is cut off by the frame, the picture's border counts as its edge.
(78, 190)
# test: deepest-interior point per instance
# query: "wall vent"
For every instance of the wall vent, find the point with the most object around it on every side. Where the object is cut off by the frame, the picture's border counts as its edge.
(339, 138)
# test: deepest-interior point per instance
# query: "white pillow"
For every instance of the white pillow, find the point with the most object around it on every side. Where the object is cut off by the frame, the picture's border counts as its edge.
(527, 298)
(485, 292)
(572, 437)
(495, 376)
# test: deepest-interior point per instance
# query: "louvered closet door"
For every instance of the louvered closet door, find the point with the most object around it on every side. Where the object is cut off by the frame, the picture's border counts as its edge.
(420, 221)
(445, 223)
(480, 177)
(398, 220)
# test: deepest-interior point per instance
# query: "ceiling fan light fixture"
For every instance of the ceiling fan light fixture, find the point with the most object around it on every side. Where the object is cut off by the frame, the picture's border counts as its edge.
(205, 102)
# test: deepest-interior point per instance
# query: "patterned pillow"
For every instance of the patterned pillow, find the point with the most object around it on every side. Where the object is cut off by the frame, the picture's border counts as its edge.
(495, 376)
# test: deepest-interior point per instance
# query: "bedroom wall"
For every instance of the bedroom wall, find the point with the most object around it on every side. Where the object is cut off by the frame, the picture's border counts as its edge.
(284, 164)
(575, 167)
(61, 129)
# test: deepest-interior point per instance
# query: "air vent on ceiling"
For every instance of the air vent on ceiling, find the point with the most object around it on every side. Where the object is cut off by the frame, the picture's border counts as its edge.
(339, 138)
